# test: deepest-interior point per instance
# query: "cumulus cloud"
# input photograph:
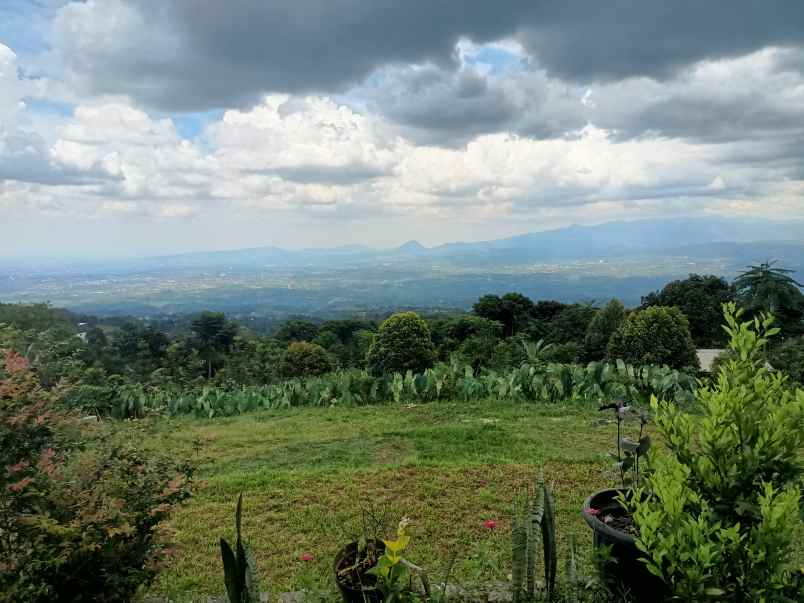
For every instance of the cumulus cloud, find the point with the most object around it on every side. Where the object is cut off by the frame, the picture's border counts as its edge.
(24, 153)
(495, 115)
(442, 106)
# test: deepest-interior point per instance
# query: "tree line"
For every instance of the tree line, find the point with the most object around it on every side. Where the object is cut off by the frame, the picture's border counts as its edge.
(664, 330)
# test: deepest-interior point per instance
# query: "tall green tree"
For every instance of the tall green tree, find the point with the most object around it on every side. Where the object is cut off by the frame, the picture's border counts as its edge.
(513, 310)
(766, 288)
(570, 325)
(605, 322)
(297, 330)
(213, 335)
(701, 299)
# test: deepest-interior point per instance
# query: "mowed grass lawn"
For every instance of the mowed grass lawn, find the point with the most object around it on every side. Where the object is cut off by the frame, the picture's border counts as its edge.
(306, 473)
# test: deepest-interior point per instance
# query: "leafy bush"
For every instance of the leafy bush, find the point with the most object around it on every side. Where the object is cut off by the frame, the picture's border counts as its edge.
(655, 335)
(78, 524)
(605, 322)
(402, 344)
(509, 353)
(565, 353)
(789, 357)
(477, 350)
(720, 509)
(303, 359)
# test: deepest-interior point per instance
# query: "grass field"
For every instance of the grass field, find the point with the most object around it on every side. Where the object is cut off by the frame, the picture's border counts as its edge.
(305, 473)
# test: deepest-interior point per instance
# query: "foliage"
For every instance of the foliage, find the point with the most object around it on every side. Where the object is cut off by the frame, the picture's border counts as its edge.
(213, 335)
(77, 522)
(509, 353)
(789, 358)
(536, 380)
(402, 344)
(571, 324)
(34, 317)
(303, 359)
(602, 326)
(655, 335)
(239, 567)
(392, 571)
(297, 330)
(701, 299)
(252, 360)
(717, 516)
(565, 353)
(765, 288)
(512, 310)
(472, 337)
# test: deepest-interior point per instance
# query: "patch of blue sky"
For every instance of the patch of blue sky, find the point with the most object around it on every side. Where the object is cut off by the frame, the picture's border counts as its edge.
(25, 24)
(496, 59)
(191, 125)
(50, 107)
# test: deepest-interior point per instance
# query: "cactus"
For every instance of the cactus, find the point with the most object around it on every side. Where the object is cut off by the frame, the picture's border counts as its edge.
(239, 567)
(536, 515)
(572, 572)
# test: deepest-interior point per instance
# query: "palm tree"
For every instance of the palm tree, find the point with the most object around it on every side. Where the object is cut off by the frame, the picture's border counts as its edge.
(766, 288)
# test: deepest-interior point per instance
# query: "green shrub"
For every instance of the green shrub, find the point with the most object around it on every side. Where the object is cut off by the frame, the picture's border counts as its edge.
(605, 322)
(477, 350)
(571, 324)
(80, 522)
(789, 358)
(402, 344)
(303, 359)
(655, 335)
(566, 353)
(721, 507)
(509, 353)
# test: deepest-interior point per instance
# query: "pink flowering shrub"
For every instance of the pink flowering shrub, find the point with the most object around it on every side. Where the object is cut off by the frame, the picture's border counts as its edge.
(80, 520)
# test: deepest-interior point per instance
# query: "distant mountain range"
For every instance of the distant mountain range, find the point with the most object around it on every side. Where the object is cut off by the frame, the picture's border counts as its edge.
(613, 239)
(618, 259)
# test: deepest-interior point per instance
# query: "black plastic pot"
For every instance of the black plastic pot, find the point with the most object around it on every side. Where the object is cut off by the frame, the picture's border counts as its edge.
(625, 572)
(367, 592)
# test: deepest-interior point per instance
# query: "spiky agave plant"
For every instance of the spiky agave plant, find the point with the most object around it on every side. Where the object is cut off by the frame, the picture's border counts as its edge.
(239, 568)
(533, 518)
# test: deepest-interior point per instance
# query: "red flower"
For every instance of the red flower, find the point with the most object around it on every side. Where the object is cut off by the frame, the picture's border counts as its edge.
(594, 512)
(306, 557)
(490, 524)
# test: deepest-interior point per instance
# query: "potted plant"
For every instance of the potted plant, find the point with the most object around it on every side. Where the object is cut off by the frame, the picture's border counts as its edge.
(353, 563)
(607, 512)
(352, 567)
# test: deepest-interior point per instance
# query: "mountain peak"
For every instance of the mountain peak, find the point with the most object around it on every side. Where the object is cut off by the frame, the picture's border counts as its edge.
(412, 247)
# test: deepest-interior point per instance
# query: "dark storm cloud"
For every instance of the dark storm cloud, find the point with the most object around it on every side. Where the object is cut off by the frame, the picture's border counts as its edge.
(710, 120)
(192, 55)
(592, 40)
(197, 55)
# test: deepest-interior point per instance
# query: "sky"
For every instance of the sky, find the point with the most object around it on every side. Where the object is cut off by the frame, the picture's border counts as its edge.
(143, 127)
